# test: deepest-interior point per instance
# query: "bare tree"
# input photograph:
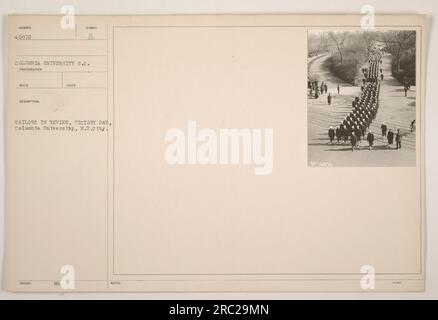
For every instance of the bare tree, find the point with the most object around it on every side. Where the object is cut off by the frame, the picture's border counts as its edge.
(396, 42)
(370, 38)
(339, 38)
(323, 42)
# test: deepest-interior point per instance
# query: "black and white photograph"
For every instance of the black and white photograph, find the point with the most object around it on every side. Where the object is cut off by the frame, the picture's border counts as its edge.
(361, 98)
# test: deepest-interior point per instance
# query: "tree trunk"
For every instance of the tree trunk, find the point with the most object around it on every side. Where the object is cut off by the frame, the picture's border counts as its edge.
(398, 60)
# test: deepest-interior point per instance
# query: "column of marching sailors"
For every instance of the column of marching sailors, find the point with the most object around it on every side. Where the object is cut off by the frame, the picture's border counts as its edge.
(354, 126)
